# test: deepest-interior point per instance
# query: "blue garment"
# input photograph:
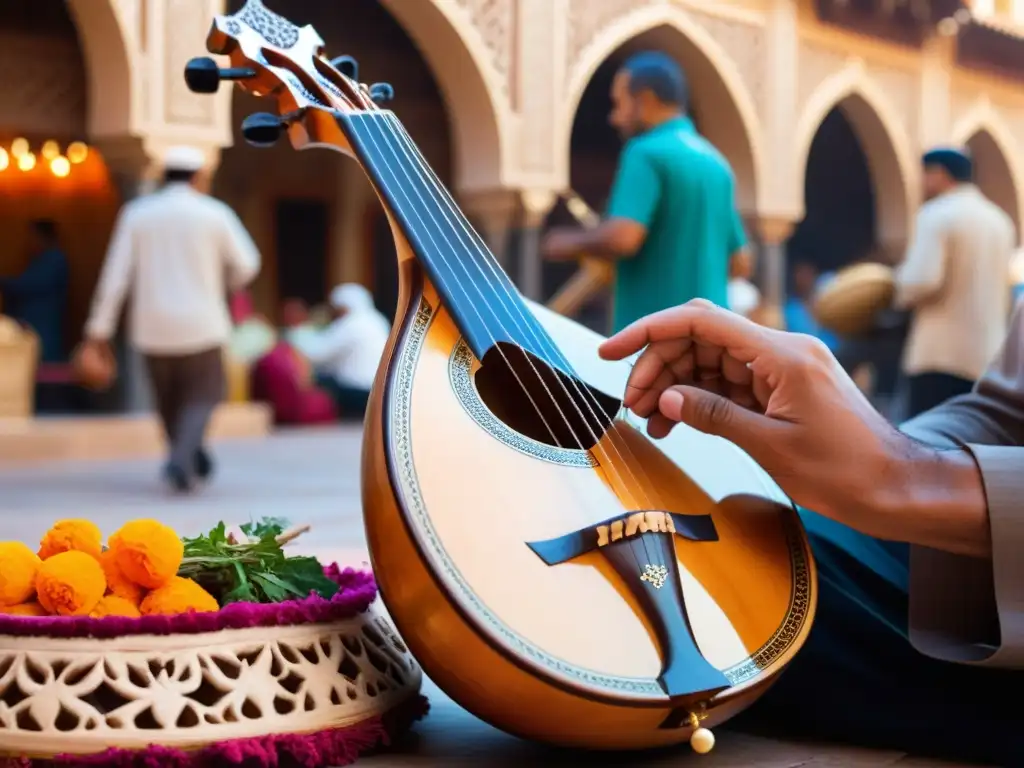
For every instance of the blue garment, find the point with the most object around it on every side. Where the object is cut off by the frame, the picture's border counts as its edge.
(799, 319)
(38, 297)
(858, 679)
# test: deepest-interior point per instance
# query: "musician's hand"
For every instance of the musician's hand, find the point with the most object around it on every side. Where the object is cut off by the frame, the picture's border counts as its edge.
(561, 245)
(781, 397)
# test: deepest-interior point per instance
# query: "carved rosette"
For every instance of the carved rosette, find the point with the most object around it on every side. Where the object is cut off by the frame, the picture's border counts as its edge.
(188, 691)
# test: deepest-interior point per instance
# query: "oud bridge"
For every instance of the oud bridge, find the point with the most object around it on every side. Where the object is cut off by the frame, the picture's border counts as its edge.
(641, 548)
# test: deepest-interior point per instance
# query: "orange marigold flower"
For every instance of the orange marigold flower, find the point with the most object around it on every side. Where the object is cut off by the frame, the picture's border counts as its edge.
(18, 568)
(70, 584)
(178, 595)
(117, 583)
(147, 552)
(24, 609)
(113, 605)
(71, 535)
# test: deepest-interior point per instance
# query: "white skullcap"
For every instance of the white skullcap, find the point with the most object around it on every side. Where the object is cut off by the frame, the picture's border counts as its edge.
(351, 296)
(188, 159)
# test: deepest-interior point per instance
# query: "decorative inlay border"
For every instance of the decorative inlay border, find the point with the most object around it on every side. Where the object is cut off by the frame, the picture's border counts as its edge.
(640, 688)
(460, 372)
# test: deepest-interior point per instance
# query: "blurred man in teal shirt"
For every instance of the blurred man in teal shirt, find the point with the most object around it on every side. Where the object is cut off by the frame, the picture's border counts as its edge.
(672, 225)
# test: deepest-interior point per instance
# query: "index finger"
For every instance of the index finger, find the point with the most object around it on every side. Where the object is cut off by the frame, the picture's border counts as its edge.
(695, 321)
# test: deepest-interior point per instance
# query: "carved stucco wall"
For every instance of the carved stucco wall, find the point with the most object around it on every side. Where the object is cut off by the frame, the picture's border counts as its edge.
(726, 48)
(511, 85)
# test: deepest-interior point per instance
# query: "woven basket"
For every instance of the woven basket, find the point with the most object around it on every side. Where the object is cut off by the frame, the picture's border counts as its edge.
(206, 689)
(19, 356)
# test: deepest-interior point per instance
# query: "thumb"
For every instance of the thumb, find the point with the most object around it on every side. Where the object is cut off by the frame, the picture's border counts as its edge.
(716, 415)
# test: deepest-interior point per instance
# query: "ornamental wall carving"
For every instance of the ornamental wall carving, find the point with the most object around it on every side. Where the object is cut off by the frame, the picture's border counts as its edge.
(495, 21)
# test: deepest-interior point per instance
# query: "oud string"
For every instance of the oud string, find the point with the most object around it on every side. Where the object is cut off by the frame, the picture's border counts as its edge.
(479, 291)
(589, 399)
(411, 152)
(583, 393)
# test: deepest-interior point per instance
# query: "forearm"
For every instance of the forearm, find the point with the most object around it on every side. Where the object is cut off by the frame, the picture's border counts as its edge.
(603, 242)
(932, 498)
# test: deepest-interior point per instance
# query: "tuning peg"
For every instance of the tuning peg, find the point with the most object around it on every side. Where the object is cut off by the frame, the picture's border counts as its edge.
(262, 129)
(348, 66)
(381, 92)
(203, 75)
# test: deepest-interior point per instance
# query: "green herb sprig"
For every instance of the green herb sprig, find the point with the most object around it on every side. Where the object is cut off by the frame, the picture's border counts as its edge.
(256, 571)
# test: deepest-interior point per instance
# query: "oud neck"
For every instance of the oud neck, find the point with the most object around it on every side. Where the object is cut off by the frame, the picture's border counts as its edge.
(483, 301)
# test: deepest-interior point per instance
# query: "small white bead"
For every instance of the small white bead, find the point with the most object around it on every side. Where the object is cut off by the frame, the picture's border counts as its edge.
(702, 741)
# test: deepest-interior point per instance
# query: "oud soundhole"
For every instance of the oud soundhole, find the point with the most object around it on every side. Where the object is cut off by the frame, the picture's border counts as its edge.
(540, 402)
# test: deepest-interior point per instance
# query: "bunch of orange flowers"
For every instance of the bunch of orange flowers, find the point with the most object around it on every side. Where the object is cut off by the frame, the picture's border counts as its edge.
(73, 574)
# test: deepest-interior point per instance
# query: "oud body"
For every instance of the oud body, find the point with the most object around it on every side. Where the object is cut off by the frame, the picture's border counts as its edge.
(556, 572)
(563, 654)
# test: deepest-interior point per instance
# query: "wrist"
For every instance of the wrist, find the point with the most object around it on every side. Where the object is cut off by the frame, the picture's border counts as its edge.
(933, 498)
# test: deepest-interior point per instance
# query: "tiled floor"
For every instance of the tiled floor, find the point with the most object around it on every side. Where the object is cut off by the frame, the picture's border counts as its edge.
(313, 477)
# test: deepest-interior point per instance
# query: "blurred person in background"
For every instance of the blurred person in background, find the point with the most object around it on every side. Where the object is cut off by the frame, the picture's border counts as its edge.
(798, 315)
(347, 352)
(179, 253)
(672, 226)
(954, 280)
(743, 297)
(252, 336)
(38, 297)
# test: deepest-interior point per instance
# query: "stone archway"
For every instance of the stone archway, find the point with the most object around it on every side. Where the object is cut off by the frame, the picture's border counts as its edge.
(472, 89)
(996, 166)
(886, 146)
(724, 107)
(109, 64)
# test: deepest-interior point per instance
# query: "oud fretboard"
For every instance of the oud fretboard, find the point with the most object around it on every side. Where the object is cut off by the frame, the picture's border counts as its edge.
(485, 304)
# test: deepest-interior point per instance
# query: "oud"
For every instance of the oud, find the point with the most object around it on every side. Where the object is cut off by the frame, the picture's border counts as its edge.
(556, 572)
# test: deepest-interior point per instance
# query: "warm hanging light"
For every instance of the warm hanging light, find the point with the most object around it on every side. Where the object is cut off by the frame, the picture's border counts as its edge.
(5, 159)
(60, 166)
(26, 161)
(77, 152)
(50, 150)
(19, 147)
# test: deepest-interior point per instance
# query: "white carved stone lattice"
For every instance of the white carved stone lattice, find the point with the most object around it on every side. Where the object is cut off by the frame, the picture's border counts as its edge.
(187, 691)
(745, 43)
(587, 19)
(495, 21)
(817, 64)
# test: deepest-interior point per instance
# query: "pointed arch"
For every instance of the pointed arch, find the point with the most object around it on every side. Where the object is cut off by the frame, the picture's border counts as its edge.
(883, 139)
(469, 83)
(733, 126)
(109, 64)
(997, 163)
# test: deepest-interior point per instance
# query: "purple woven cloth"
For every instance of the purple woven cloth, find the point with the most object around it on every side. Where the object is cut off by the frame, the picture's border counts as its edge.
(358, 590)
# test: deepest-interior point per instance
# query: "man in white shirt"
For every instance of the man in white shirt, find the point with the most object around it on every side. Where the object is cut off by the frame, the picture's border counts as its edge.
(954, 280)
(179, 253)
(347, 352)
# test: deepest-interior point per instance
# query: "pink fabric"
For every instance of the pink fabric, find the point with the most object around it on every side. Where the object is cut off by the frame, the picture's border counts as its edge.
(276, 380)
(358, 590)
(241, 307)
(336, 747)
